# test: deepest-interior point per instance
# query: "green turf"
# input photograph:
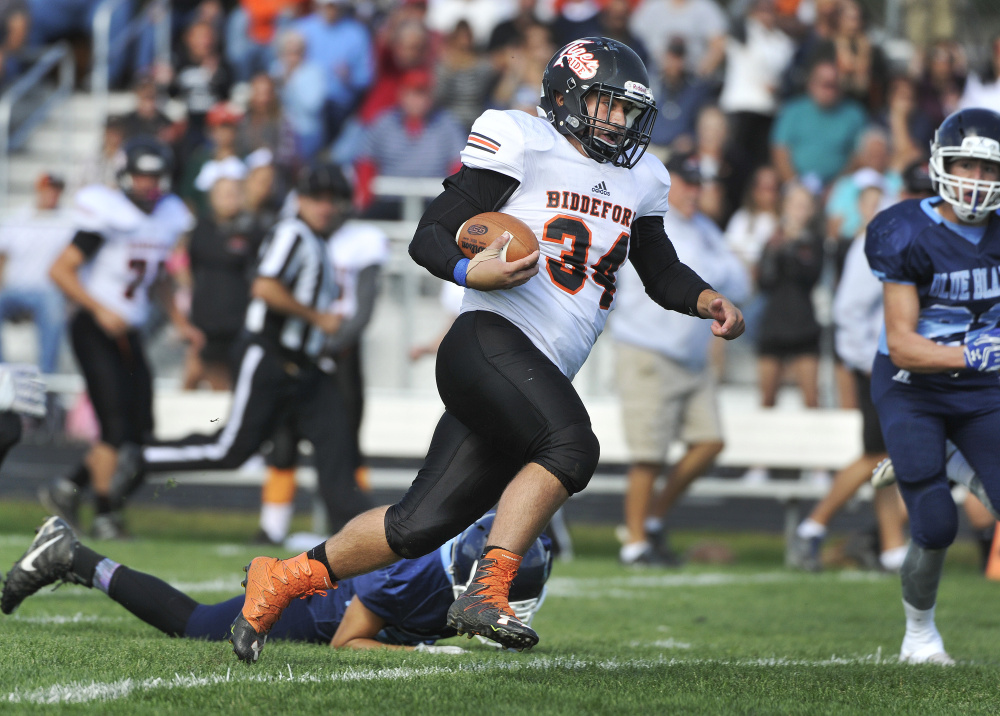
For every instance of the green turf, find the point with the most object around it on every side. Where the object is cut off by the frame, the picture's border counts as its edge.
(746, 638)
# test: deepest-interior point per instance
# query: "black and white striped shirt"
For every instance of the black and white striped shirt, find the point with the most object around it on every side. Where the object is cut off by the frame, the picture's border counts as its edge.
(296, 257)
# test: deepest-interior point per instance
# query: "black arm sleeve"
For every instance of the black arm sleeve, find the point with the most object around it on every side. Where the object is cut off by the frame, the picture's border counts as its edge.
(350, 330)
(88, 242)
(669, 282)
(467, 193)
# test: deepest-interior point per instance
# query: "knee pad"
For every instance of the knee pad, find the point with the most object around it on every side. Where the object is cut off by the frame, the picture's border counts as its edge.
(410, 536)
(571, 454)
(933, 515)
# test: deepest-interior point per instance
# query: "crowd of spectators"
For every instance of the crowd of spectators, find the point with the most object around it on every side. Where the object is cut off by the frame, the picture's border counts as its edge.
(788, 107)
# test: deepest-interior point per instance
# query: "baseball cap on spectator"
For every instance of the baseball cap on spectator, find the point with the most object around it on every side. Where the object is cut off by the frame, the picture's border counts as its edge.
(223, 113)
(917, 178)
(49, 180)
(211, 172)
(868, 178)
(684, 166)
(416, 79)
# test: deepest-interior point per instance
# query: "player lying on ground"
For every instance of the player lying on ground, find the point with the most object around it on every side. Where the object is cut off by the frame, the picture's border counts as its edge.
(515, 432)
(403, 606)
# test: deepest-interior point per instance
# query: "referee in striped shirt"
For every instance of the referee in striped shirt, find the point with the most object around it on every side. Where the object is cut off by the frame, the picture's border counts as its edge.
(279, 376)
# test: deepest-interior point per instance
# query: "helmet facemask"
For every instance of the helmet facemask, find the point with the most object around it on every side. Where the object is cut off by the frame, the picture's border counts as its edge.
(972, 199)
(607, 141)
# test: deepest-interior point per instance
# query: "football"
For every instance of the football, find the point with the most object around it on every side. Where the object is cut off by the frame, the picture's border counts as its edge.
(483, 229)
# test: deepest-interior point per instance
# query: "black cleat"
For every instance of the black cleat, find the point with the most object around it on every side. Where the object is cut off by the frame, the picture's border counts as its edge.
(129, 474)
(483, 608)
(110, 525)
(49, 559)
(61, 497)
(247, 643)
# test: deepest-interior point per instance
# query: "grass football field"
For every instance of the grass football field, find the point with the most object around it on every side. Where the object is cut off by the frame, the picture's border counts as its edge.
(746, 638)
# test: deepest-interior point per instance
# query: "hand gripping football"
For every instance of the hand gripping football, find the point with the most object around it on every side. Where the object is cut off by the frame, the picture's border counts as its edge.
(483, 229)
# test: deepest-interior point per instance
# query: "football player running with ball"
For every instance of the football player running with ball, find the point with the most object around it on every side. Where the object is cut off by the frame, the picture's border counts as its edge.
(935, 376)
(514, 430)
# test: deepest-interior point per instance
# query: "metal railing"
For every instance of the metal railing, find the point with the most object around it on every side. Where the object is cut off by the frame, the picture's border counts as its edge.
(59, 57)
(156, 13)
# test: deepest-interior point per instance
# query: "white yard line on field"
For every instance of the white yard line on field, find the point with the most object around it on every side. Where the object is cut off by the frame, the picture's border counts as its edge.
(59, 619)
(84, 692)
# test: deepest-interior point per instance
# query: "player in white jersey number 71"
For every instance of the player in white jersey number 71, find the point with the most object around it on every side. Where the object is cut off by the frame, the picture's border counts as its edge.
(514, 429)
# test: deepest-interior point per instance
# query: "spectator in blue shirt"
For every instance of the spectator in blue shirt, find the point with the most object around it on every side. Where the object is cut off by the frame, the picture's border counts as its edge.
(814, 135)
(680, 95)
(302, 93)
(416, 139)
(342, 48)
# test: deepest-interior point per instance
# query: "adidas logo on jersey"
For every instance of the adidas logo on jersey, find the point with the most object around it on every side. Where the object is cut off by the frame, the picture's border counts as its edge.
(601, 188)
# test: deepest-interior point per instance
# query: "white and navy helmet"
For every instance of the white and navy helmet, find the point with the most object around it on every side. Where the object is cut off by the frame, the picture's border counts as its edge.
(969, 133)
(527, 591)
(607, 68)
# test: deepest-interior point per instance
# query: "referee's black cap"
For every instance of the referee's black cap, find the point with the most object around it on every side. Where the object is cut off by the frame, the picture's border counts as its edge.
(323, 179)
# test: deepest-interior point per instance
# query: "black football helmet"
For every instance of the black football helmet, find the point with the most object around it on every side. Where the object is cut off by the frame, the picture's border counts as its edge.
(969, 133)
(527, 591)
(144, 156)
(607, 70)
(323, 179)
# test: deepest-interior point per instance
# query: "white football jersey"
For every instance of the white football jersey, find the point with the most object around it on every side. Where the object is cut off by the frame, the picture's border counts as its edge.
(135, 249)
(581, 212)
(352, 249)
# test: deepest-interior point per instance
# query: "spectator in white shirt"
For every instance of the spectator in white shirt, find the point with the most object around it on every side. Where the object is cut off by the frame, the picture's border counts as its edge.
(29, 242)
(757, 53)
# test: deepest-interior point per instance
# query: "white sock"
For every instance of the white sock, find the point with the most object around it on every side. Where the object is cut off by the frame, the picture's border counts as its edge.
(275, 519)
(892, 559)
(653, 524)
(630, 552)
(920, 623)
(958, 469)
(810, 529)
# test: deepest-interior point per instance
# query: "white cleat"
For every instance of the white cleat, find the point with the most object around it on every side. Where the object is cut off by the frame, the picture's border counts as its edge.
(884, 474)
(929, 651)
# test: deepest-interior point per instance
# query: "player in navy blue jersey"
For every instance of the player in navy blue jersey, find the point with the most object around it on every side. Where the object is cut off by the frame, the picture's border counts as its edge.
(404, 605)
(935, 376)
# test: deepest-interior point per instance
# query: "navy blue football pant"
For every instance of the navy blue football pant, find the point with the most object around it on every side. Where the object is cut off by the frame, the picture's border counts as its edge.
(212, 622)
(917, 419)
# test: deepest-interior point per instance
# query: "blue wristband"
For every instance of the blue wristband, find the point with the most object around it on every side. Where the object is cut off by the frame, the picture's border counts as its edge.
(459, 273)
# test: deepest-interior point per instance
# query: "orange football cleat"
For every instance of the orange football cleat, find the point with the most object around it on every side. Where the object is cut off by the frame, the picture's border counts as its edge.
(484, 610)
(271, 585)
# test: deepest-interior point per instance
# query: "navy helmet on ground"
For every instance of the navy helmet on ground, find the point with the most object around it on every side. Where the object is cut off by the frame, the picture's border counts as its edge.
(527, 591)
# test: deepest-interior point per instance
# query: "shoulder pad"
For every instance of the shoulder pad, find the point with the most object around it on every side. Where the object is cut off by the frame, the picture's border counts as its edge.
(103, 210)
(655, 180)
(359, 246)
(171, 209)
(497, 142)
(889, 237)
